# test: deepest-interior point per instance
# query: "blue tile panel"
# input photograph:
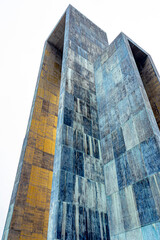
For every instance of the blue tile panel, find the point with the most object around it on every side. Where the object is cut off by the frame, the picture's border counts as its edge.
(130, 145)
(145, 202)
(92, 224)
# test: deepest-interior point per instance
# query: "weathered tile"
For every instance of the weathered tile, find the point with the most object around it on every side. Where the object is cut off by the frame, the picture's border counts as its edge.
(136, 164)
(68, 117)
(115, 214)
(134, 234)
(118, 142)
(129, 209)
(145, 202)
(67, 159)
(107, 149)
(151, 155)
(124, 110)
(78, 163)
(142, 125)
(123, 169)
(151, 231)
(110, 178)
(130, 135)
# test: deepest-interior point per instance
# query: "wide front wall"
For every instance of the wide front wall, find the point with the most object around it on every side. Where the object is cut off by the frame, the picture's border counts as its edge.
(129, 144)
(78, 202)
(29, 207)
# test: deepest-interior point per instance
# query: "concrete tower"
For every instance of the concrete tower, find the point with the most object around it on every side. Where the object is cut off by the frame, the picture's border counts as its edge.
(90, 161)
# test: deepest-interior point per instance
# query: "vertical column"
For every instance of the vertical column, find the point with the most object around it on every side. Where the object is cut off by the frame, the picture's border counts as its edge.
(78, 203)
(29, 207)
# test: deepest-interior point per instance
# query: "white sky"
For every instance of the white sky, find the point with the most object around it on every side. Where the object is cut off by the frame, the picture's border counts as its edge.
(24, 27)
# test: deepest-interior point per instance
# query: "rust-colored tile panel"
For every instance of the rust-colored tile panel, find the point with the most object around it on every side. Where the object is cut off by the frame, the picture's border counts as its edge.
(31, 211)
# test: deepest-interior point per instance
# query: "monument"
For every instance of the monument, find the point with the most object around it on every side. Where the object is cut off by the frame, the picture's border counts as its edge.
(90, 161)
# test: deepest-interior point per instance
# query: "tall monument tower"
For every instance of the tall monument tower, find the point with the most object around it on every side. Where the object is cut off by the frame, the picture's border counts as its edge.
(90, 161)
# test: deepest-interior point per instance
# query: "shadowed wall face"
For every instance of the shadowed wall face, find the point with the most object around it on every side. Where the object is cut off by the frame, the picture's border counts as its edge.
(149, 78)
(31, 208)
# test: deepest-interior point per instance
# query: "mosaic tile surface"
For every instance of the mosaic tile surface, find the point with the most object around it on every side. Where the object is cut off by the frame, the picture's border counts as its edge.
(90, 161)
(129, 139)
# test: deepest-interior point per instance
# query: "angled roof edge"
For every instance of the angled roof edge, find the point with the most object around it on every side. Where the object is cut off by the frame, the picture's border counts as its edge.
(129, 39)
(56, 26)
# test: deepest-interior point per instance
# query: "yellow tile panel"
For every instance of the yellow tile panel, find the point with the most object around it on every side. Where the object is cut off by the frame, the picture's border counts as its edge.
(40, 142)
(37, 236)
(34, 125)
(54, 134)
(50, 180)
(38, 105)
(25, 237)
(36, 196)
(53, 109)
(29, 154)
(47, 95)
(49, 132)
(39, 176)
(55, 121)
(33, 198)
(41, 129)
(50, 120)
(49, 146)
(43, 119)
(54, 99)
(53, 148)
(40, 92)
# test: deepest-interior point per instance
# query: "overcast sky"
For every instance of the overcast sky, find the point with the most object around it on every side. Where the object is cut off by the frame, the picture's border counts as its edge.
(24, 27)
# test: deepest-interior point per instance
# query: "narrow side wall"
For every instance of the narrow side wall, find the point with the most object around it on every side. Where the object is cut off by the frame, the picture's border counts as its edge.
(29, 207)
(152, 86)
(150, 78)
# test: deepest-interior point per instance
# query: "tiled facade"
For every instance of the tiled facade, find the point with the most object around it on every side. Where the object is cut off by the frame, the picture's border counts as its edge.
(94, 173)
(129, 140)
